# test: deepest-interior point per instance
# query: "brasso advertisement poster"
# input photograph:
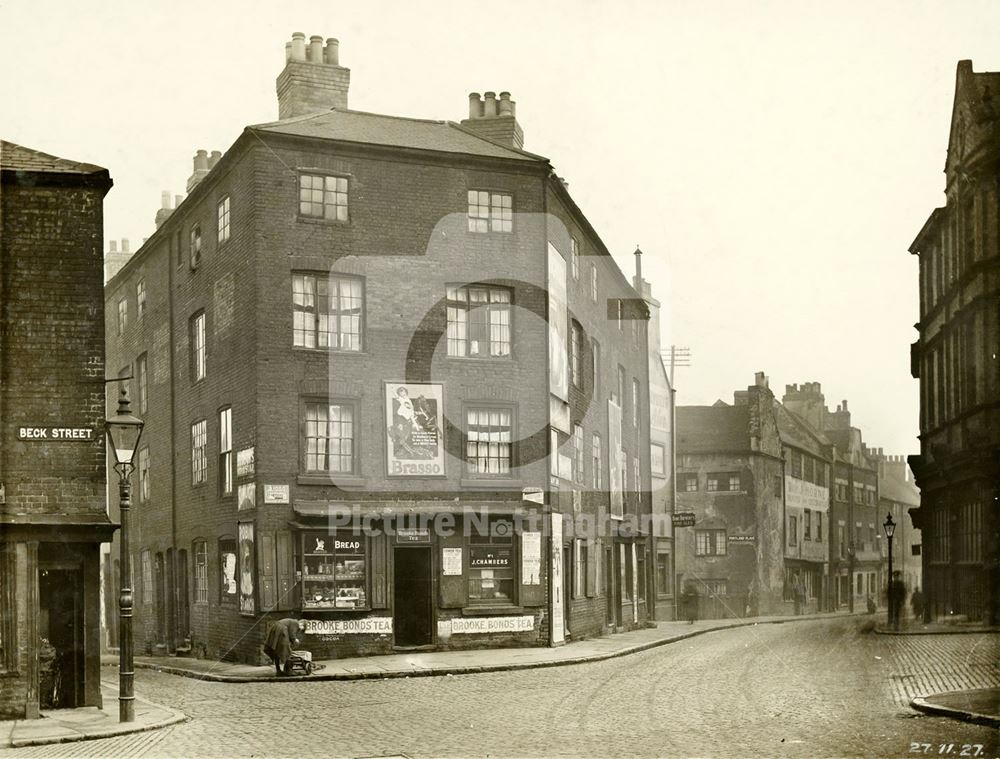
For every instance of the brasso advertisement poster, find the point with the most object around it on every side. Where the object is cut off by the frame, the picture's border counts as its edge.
(414, 447)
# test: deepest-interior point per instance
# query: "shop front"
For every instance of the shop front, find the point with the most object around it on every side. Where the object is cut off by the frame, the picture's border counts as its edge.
(50, 586)
(385, 581)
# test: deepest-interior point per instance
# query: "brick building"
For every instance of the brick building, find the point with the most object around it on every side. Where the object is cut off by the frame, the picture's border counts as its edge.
(393, 384)
(662, 467)
(729, 476)
(53, 515)
(855, 538)
(897, 494)
(808, 457)
(956, 361)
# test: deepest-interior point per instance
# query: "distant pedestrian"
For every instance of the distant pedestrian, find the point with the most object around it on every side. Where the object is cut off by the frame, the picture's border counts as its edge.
(871, 604)
(917, 604)
(897, 599)
(798, 594)
(278, 644)
(689, 602)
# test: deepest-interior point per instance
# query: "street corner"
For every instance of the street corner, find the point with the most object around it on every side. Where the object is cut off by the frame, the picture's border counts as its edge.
(980, 706)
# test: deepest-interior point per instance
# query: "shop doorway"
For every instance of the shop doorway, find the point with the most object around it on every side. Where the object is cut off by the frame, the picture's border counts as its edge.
(61, 663)
(412, 614)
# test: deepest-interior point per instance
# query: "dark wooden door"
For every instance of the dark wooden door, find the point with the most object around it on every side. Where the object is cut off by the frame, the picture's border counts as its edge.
(412, 598)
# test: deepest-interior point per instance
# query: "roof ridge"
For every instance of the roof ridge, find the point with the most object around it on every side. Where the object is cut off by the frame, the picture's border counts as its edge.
(521, 151)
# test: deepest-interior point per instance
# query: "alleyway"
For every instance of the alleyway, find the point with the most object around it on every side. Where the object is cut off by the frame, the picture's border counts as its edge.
(810, 689)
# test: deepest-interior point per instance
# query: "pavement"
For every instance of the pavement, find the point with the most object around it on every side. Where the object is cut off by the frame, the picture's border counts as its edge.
(66, 725)
(63, 725)
(979, 705)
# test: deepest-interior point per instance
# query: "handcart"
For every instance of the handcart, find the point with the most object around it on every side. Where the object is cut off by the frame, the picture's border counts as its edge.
(301, 661)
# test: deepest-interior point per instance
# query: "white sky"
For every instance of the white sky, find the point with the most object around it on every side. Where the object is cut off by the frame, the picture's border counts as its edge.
(774, 160)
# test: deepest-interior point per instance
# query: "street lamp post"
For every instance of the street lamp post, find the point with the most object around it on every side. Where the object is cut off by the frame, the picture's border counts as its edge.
(891, 590)
(123, 432)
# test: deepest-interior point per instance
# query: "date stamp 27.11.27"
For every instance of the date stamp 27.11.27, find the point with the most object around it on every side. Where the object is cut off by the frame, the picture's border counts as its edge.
(947, 749)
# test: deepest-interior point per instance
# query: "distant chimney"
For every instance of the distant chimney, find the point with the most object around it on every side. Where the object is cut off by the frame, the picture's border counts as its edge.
(214, 159)
(494, 119)
(200, 170)
(163, 211)
(313, 79)
(760, 379)
(115, 258)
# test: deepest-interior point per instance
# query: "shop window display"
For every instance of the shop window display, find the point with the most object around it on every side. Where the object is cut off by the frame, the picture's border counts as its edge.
(334, 572)
(491, 562)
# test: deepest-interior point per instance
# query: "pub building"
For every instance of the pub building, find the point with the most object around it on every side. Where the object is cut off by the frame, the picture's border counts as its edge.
(53, 515)
(384, 365)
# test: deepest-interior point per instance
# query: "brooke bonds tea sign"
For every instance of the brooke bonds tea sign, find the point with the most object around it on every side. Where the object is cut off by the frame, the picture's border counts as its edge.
(414, 447)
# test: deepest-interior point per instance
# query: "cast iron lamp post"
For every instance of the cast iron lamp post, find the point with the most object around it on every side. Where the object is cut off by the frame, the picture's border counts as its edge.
(890, 528)
(123, 431)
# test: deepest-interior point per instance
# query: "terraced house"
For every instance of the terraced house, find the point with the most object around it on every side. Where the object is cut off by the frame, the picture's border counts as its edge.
(386, 365)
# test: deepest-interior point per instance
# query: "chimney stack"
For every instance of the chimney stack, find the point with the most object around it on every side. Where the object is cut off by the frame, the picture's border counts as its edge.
(313, 79)
(494, 119)
(163, 211)
(115, 258)
(199, 171)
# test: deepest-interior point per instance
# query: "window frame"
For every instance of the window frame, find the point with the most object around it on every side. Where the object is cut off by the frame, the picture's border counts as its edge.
(597, 456)
(576, 353)
(222, 219)
(140, 298)
(142, 380)
(194, 246)
(122, 314)
(336, 317)
(488, 223)
(226, 479)
(363, 600)
(712, 544)
(354, 407)
(199, 452)
(228, 545)
(489, 407)
(492, 539)
(323, 203)
(146, 570)
(459, 300)
(198, 346)
(142, 469)
(574, 257)
(686, 478)
(200, 575)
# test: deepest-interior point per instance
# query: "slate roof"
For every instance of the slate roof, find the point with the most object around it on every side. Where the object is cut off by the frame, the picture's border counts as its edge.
(796, 431)
(704, 429)
(393, 131)
(14, 157)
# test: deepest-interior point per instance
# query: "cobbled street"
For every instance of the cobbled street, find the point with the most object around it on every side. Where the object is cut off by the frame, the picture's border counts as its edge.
(824, 688)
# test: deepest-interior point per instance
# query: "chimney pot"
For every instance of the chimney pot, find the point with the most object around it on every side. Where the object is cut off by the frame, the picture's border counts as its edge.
(315, 49)
(113, 246)
(288, 51)
(490, 105)
(298, 46)
(214, 158)
(845, 405)
(165, 199)
(178, 199)
(475, 106)
(201, 160)
(331, 53)
(124, 245)
(506, 106)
